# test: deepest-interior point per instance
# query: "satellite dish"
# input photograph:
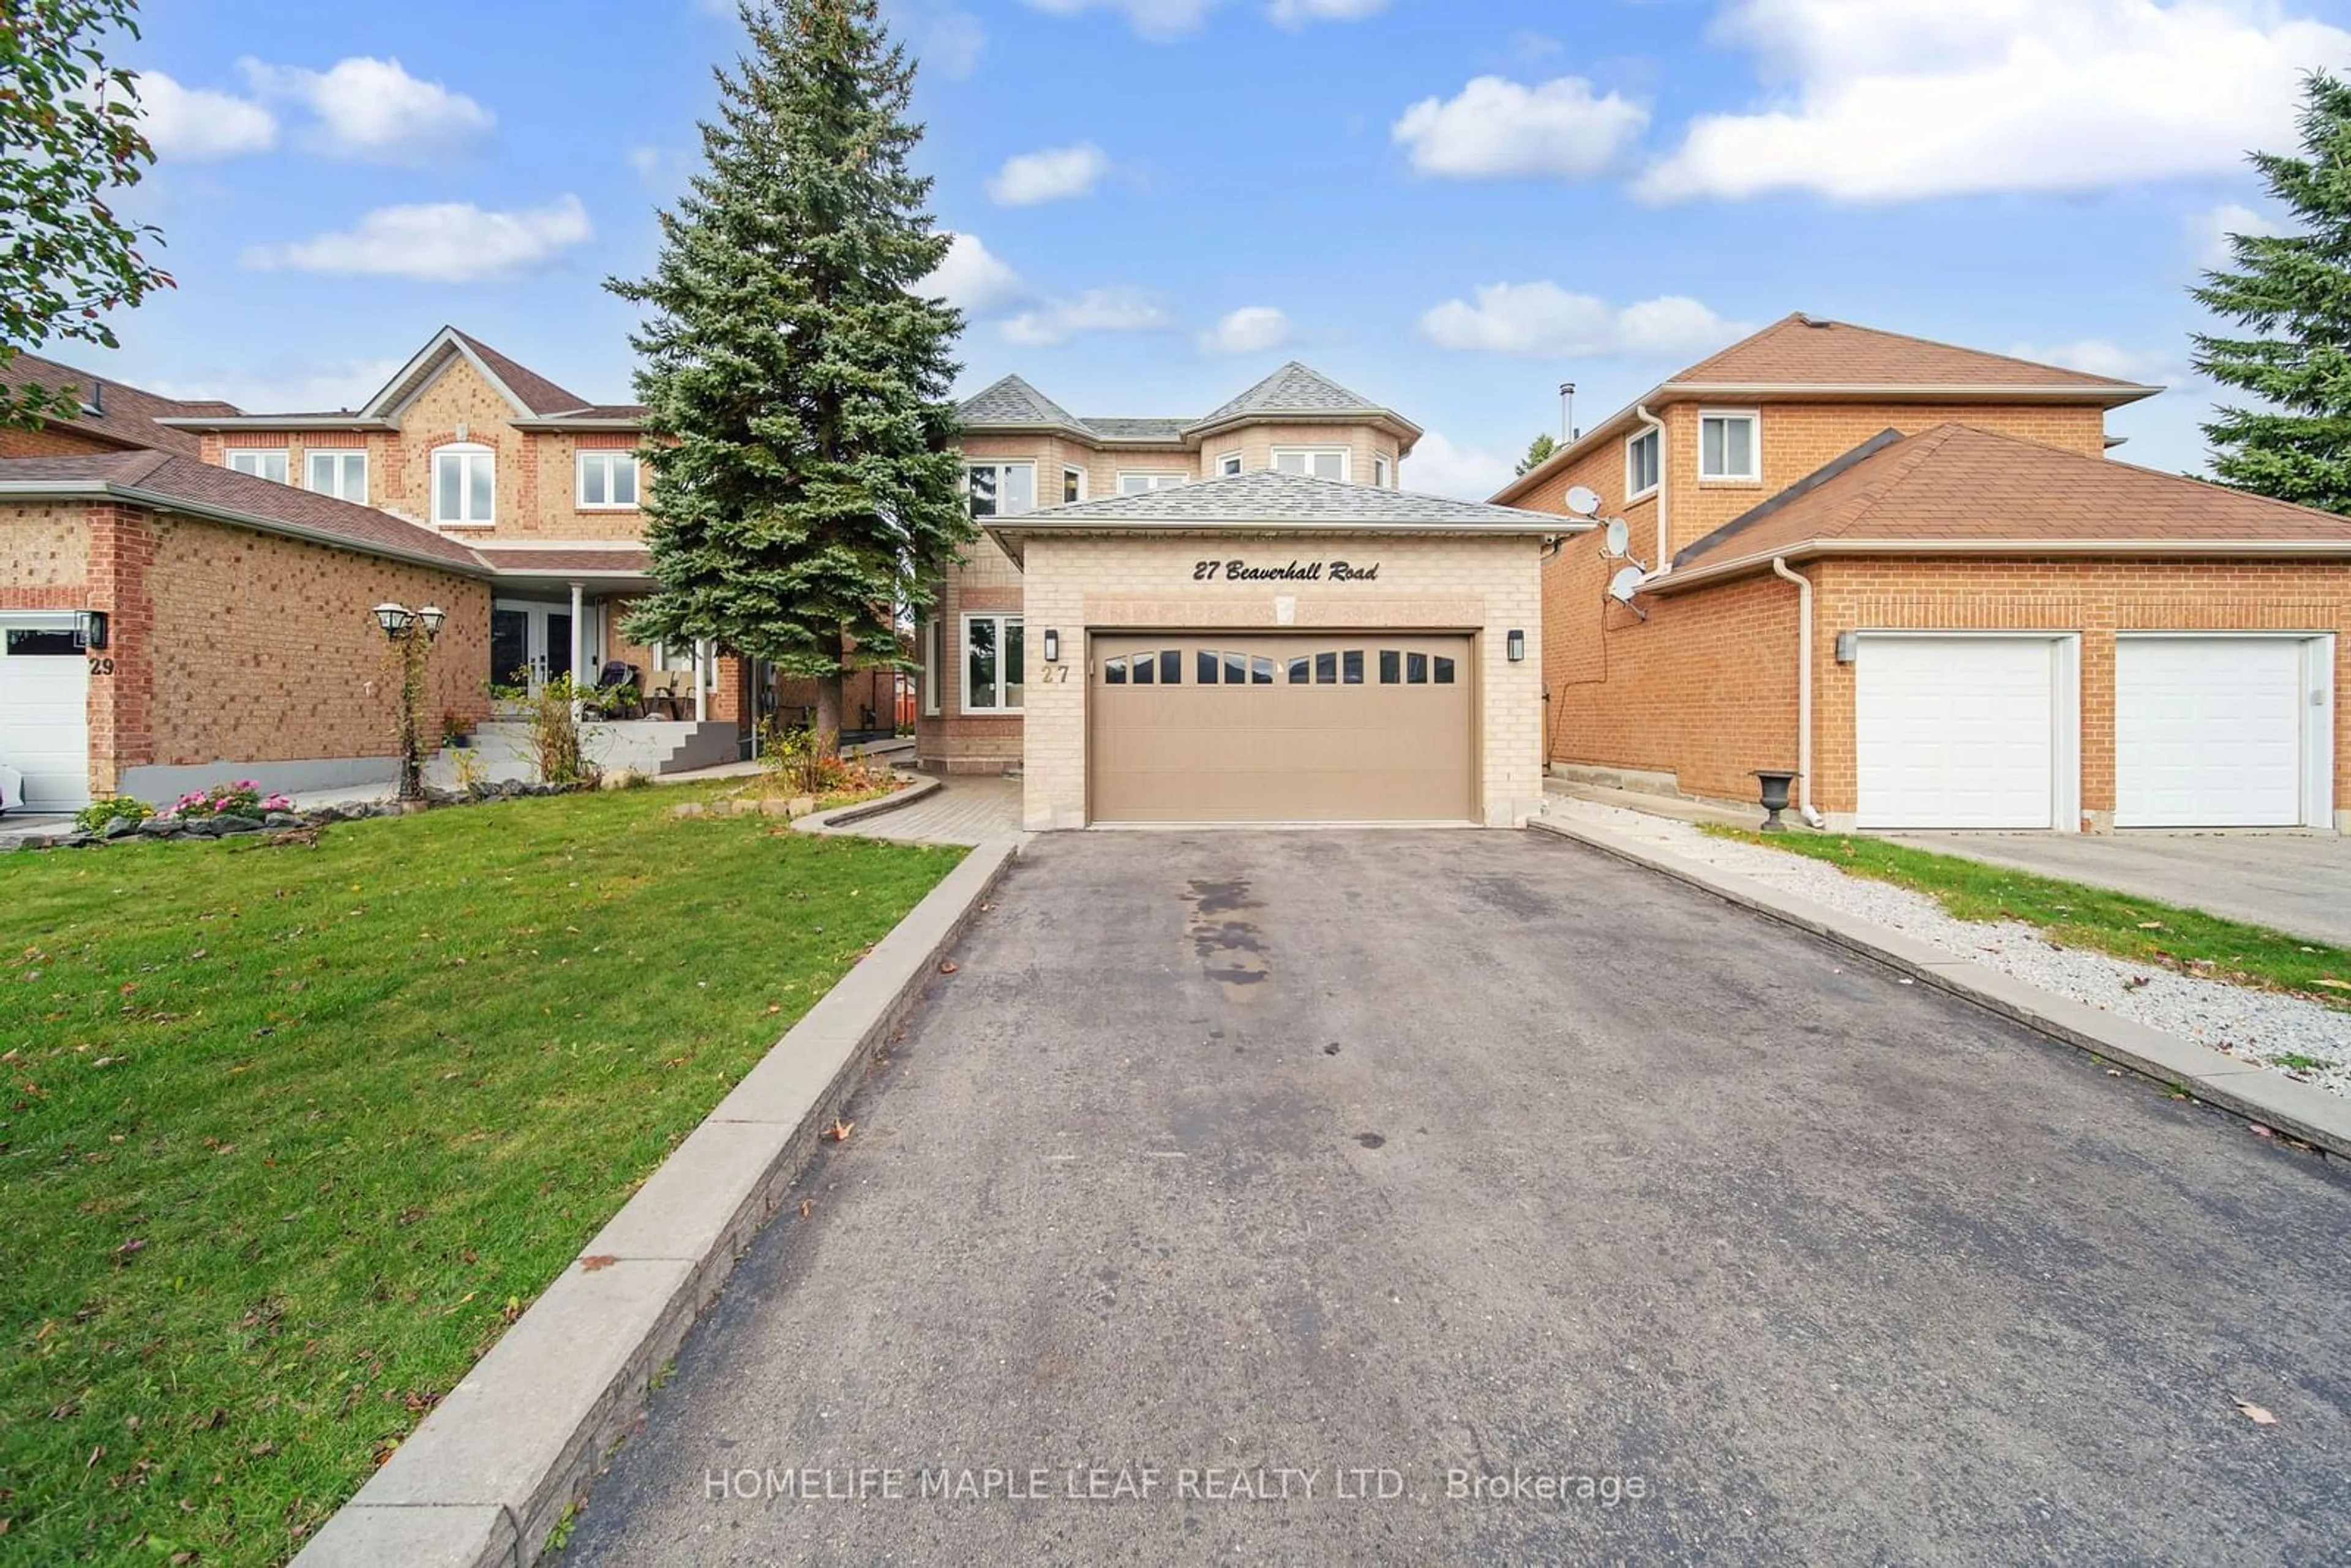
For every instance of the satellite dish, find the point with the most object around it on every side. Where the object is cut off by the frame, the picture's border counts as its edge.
(1618, 539)
(1583, 500)
(1625, 584)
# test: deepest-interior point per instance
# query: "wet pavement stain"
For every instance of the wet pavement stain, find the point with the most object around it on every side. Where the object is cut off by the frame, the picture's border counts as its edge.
(1230, 946)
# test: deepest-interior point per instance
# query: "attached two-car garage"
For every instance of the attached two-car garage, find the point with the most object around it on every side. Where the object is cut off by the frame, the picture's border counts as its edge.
(1984, 729)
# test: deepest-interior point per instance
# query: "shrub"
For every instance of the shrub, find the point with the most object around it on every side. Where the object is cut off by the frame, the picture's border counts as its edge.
(94, 817)
(555, 738)
(802, 762)
(242, 799)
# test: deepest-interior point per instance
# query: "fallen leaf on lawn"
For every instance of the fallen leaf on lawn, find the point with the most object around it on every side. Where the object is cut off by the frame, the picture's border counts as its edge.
(2255, 1414)
(949, 965)
(594, 1261)
(2332, 984)
(840, 1130)
(806, 1205)
(2150, 925)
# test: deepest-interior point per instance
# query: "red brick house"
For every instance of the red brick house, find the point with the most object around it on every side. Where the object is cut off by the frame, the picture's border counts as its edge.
(1910, 570)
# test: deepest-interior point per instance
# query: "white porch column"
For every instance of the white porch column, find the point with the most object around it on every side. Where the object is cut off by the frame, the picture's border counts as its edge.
(579, 651)
(701, 680)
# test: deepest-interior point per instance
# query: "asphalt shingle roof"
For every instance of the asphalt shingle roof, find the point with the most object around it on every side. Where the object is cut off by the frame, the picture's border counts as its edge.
(1957, 484)
(126, 414)
(1015, 402)
(539, 395)
(1293, 389)
(1290, 500)
(1799, 350)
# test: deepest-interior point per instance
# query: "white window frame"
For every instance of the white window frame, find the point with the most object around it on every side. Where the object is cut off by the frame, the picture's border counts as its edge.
(1156, 480)
(1002, 618)
(465, 449)
(1071, 471)
(998, 465)
(1231, 463)
(260, 454)
(341, 454)
(1383, 470)
(605, 455)
(931, 671)
(1656, 465)
(1754, 418)
(1346, 459)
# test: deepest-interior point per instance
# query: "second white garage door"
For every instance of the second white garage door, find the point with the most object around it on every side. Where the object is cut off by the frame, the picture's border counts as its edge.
(1958, 732)
(2209, 732)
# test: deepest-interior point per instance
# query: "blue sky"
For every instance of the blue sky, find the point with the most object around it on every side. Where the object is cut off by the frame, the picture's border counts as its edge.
(1449, 206)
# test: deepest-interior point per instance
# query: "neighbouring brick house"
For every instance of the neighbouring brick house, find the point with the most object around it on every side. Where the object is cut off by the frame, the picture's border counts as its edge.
(1909, 570)
(1239, 617)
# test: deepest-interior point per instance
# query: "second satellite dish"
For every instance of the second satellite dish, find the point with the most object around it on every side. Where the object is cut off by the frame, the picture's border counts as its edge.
(1619, 539)
(1583, 500)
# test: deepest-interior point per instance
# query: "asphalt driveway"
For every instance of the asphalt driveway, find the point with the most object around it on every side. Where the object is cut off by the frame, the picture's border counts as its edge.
(1291, 1187)
(2295, 883)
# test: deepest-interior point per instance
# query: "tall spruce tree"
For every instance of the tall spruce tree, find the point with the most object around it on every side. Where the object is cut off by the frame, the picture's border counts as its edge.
(2293, 292)
(807, 488)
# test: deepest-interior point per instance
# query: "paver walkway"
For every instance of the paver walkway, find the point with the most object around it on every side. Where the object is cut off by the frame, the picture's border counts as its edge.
(964, 809)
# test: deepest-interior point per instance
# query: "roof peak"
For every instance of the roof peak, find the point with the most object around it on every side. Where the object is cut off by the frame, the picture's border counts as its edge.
(1799, 348)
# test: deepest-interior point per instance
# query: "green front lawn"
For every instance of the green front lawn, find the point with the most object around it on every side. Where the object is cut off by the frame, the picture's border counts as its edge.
(2075, 915)
(291, 1133)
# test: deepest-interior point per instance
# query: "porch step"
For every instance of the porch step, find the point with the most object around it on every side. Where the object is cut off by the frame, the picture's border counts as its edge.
(502, 749)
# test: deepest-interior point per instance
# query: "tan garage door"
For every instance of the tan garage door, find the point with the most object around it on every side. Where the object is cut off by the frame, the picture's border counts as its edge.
(1311, 728)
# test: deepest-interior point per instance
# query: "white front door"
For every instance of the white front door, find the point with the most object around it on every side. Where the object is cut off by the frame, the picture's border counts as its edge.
(2212, 732)
(44, 710)
(1958, 732)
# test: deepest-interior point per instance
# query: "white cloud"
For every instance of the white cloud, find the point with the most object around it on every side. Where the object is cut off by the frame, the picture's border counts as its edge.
(197, 125)
(1300, 13)
(442, 242)
(1157, 20)
(944, 37)
(1497, 129)
(1544, 321)
(1054, 174)
(288, 386)
(1251, 329)
(374, 111)
(2210, 230)
(2104, 357)
(1931, 98)
(1439, 467)
(1095, 310)
(974, 279)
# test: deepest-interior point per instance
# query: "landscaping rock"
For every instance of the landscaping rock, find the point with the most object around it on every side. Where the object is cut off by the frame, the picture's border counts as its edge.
(235, 824)
(119, 828)
(801, 805)
(75, 840)
(780, 808)
(201, 827)
(35, 842)
(281, 819)
(162, 828)
(690, 809)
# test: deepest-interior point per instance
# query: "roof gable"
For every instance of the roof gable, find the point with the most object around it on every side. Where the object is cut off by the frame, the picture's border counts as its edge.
(1296, 388)
(526, 392)
(1800, 349)
(1955, 486)
(1014, 403)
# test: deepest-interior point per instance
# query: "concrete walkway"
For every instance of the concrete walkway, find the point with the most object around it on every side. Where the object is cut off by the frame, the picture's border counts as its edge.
(964, 809)
(2295, 883)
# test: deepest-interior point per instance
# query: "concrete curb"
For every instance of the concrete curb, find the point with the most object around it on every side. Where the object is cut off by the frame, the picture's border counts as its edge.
(494, 1468)
(2299, 1110)
(841, 816)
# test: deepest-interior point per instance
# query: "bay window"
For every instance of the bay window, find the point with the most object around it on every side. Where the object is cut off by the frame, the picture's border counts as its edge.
(1002, 489)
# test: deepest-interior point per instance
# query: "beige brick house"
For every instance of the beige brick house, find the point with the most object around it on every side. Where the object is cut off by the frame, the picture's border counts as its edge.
(1910, 570)
(1235, 618)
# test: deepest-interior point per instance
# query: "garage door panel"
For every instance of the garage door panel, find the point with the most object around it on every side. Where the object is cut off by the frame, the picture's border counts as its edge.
(2209, 732)
(45, 711)
(1956, 732)
(1322, 749)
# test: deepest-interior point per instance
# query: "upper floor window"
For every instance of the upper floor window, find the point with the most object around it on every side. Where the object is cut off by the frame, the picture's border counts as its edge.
(1228, 465)
(270, 465)
(607, 479)
(340, 472)
(1002, 489)
(1382, 473)
(463, 485)
(1641, 464)
(1074, 485)
(1143, 484)
(1726, 446)
(1322, 463)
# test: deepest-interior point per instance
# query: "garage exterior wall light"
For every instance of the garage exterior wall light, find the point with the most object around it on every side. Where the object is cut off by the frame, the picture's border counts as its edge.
(1848, 647)
(90, 629)
(1514, 645)
(1052, 647)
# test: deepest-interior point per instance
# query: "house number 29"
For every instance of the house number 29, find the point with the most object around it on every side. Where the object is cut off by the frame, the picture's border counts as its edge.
(101, 666)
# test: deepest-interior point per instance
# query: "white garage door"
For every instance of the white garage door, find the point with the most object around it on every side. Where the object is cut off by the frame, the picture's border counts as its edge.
(2209, 732)
(44, 710)
(1957, 732)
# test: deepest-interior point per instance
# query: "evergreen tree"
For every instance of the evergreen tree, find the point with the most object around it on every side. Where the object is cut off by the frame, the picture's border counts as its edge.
(2293, 292)
(806, 489)
(1539, 452)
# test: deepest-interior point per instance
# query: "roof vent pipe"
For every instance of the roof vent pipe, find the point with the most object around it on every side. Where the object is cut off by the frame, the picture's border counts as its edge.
(1567, 413)
(1804, 691)
(94, 404)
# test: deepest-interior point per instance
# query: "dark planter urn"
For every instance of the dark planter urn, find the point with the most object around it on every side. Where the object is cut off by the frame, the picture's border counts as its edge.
(1775, 782)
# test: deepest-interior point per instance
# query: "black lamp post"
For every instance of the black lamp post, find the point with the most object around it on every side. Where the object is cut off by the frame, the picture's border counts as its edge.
(411, 633)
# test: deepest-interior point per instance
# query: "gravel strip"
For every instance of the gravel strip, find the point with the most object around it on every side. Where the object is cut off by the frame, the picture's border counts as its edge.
(2253, 1026)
